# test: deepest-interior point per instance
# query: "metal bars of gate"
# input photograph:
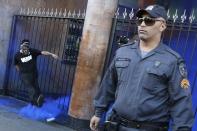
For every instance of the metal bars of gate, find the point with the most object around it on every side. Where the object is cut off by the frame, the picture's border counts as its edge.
(180, 35)
(57, 35)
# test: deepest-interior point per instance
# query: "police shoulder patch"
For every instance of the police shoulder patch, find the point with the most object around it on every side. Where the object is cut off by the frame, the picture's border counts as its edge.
(185, 83)
(183, 70)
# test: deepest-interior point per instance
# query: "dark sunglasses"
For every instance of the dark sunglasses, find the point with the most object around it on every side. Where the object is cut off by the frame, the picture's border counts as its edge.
(147, 20)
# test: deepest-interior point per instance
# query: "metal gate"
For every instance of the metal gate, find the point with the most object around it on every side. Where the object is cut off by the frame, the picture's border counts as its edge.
(180, 35)
(56, 32)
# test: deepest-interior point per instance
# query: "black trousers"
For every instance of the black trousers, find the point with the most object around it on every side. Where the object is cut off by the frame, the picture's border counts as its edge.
(31, 82)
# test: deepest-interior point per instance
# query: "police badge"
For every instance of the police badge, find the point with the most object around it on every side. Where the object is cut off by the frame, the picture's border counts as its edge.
(182, 69)
(185, 84)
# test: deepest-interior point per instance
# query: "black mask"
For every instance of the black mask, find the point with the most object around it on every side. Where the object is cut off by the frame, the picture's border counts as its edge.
(24, 49)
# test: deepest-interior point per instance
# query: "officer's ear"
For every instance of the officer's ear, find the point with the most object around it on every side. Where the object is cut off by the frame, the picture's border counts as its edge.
(163, 26)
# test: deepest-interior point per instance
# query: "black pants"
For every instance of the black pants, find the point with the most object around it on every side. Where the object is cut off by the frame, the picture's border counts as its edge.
(31, 82)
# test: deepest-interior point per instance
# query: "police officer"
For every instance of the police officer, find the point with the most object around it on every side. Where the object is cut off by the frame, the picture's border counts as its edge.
(147, 82)
(26, 63)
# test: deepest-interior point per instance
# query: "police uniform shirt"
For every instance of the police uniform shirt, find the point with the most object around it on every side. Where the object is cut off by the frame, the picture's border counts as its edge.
(27, 63)
(153, 88)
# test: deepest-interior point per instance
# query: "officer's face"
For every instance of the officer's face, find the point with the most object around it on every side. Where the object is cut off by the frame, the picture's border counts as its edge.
(149, 28)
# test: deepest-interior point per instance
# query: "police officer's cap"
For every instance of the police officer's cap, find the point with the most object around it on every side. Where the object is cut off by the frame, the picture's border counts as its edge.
(154, 11)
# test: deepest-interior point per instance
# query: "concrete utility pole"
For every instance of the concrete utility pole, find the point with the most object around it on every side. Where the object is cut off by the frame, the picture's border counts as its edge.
(91, 57)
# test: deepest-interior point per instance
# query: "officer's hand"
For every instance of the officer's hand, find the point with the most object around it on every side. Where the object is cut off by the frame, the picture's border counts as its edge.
(94, 122)
(54, 56)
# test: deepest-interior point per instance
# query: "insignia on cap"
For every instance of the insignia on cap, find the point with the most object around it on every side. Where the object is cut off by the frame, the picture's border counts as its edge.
(185, 84)
(182, 70)
(150, 7)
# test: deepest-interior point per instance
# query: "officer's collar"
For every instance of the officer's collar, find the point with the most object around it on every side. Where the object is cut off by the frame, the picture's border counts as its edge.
(158, 49)
(135, 45)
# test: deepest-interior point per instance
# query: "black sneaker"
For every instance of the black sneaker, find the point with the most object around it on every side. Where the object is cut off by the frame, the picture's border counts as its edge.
(40, 100)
